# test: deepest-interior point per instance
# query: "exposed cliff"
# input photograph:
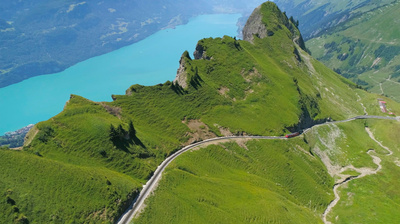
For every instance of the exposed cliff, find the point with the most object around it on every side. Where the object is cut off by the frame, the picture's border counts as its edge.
(181, 74)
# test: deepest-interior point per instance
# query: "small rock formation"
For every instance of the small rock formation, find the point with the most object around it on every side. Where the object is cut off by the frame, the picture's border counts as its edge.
(181, 75)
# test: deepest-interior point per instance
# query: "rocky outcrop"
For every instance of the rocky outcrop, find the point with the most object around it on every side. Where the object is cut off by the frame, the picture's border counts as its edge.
(255, 27)
(200, 52)
(181, 74)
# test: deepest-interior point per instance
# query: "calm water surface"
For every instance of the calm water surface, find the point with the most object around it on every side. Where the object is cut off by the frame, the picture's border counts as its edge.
(149, 62)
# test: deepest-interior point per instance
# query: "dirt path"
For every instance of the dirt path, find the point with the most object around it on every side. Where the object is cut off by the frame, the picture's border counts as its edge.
(359, 100)
(365, 171)
(380, 86)
(371, 135)
(307, 59)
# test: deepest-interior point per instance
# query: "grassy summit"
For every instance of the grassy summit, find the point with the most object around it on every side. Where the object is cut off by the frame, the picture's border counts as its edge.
(269, 86)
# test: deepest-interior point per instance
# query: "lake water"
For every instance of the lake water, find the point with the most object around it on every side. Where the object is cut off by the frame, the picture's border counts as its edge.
(149, 62)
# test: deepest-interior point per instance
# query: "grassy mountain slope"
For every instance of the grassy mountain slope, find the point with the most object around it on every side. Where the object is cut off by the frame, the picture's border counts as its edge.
(270, 181)
(359, 39)
(268, 87)
(257, 182)
(373, 198)
(365, 49)
(317, 16)
(40, 190)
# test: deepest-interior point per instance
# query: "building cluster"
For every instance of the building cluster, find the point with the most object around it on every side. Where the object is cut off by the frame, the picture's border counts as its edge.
(382, 106)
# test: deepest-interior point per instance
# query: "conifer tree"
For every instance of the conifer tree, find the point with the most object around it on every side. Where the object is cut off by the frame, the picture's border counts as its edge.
(121, 132)
(113, 135)
(131, 130)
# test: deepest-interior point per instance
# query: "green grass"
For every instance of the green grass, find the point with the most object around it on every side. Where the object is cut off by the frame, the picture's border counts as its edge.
(272, 90)
(215, 184)
(48, 191)
(346, 143)
(364, 49)
(270, 181)
(370, 101)
(374, 198)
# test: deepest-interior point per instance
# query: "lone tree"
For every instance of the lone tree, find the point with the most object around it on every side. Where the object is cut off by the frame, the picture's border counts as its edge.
(131, 130)
(121, 132)
(113, 135)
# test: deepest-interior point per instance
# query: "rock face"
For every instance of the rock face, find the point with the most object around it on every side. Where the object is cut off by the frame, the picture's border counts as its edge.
(200, 52)
(254, 26)
(268, 19)
(181, 74)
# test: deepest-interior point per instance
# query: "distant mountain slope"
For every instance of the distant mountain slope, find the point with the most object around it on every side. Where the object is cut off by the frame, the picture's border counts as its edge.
(42, 37)
(265, 85)
(317, 16)
(359, 40)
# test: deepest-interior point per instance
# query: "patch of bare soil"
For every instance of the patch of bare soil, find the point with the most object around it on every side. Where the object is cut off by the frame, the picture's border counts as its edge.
(199, 131)
(223, 91)
(224, 131)
(116, 111)
(249, 75)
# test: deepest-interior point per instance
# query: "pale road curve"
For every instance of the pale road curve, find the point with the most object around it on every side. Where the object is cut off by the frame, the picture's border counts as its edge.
(152, 183)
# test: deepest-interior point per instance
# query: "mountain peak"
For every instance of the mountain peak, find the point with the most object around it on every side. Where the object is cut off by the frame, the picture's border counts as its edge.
(268, 19)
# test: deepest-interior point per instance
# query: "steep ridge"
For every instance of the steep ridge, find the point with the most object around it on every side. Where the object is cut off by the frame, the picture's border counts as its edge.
(233, 87)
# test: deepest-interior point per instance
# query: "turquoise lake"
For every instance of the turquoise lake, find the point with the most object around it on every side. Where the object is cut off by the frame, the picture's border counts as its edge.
(151, 61)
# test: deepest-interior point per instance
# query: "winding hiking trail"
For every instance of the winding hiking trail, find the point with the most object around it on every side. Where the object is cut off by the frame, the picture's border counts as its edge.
(362, 105)
(363, 172)
(138, 204)
(371, 135)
